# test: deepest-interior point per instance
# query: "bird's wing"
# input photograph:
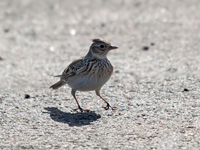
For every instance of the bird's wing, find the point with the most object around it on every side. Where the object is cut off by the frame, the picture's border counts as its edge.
(73, 69)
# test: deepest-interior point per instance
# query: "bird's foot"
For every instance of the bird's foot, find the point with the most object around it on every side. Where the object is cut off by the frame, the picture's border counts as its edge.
(81, 109)
(108, 106)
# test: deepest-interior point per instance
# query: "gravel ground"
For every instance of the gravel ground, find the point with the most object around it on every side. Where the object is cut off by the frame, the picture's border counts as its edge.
(155, 85)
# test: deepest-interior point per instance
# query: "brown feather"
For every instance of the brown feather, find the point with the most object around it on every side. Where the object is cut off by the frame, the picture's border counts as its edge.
(100, 40)
(57, 76)
(57, 85)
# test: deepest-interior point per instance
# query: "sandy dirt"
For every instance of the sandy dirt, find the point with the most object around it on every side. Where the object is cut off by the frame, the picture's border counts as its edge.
(155, 85)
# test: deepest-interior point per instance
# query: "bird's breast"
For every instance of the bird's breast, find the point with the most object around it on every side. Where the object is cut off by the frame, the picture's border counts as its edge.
(94, 77)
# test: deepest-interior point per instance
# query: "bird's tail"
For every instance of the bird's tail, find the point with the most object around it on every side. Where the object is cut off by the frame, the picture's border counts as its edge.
(57, 85)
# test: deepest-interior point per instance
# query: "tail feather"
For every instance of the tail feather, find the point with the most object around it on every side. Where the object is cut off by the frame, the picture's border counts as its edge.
(57, 76)
(57, 85)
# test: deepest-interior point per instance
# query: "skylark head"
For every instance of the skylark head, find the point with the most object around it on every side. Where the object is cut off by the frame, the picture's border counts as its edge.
(100, 48)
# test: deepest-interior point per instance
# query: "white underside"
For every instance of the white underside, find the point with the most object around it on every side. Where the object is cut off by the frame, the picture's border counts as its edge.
(88, 83)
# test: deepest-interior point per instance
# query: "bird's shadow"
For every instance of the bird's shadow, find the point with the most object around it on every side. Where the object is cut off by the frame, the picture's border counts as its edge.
(73, 119)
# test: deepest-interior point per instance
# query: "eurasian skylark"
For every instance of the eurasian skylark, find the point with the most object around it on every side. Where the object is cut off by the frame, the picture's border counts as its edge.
(90, 72)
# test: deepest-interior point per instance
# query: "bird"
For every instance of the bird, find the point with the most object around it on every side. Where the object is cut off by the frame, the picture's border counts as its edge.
(89, 73)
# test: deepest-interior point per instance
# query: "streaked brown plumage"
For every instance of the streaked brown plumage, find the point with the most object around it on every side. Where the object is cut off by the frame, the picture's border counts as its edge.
(90, 72)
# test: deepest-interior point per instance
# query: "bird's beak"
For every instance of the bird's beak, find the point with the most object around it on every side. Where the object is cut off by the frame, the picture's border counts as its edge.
(113, 47)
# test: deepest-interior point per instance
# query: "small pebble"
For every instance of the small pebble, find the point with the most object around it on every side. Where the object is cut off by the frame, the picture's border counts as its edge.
(6, 30)
(26, 96)
(152, 44)
(103, 25)
(51, 48)
(145, 48)
(73, 32)
(1, 58)
(185, 90)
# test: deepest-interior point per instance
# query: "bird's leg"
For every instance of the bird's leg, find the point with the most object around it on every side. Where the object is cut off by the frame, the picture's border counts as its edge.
(79, 107)
(108, 105)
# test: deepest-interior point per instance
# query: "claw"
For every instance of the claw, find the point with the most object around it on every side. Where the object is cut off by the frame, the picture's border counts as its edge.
(108, 106)
(81, 109)
(114, 108)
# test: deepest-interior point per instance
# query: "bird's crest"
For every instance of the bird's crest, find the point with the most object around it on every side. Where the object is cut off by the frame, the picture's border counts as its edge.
(100, 40)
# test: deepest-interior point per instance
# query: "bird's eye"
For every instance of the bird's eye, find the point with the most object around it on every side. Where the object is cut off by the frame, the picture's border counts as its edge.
(102, 46)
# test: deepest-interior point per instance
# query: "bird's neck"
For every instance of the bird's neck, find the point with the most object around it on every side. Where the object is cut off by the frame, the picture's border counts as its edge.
(91, 55)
